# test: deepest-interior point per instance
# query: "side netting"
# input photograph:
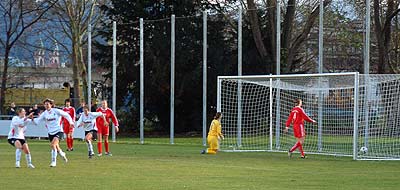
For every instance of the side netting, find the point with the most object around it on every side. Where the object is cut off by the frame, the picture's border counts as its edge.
(255, 110)
(379, 119)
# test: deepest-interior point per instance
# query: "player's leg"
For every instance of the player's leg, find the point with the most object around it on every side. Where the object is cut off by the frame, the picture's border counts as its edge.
(66, 131)
(88, 139)
(71, 140)
(106, 133)
(213, 143)
(28, 157)
(297, 135)
(300, 141)
(18, 150)
(106, 145)
(99, 141)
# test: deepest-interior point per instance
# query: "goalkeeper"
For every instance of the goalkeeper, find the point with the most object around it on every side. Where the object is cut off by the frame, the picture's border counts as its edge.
(214, 135)
(297, 117)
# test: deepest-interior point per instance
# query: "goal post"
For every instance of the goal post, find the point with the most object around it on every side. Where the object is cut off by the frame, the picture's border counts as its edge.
(352, 111)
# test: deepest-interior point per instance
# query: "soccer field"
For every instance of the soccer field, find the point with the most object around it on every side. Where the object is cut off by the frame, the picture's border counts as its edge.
(158, 165)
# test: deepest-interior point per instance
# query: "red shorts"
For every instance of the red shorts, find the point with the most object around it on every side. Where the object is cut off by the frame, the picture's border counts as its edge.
(67, 129)
(103, 130)
(299, 131)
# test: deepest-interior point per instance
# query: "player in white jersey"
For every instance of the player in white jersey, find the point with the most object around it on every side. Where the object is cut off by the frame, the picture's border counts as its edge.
(87, 120)
(16, 137)
(52, 117)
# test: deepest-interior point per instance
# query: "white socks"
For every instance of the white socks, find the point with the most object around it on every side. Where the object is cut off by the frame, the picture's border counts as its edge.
(28, 158)
(18, 155)
(90, 146)
(54, 155)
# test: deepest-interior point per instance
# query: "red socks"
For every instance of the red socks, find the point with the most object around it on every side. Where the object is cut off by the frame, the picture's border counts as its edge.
(70, 143)
(99, 147)
(298, 145)
(301, 150)
(294, 147)
(106, 145)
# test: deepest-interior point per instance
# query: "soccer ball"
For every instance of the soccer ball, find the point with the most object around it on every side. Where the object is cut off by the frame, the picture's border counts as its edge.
(363, 150)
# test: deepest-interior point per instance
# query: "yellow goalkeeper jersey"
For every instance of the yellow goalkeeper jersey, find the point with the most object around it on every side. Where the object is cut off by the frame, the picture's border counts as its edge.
(215, 129)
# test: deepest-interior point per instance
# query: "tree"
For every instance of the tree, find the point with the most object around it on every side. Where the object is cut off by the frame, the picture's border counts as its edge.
(18, 16)
(188, 93)
(383, 32)
(261, 16)
(74, 17)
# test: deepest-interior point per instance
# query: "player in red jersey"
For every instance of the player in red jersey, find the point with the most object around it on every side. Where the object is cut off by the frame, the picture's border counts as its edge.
(68, 130)
(102, 129)
(297, 117)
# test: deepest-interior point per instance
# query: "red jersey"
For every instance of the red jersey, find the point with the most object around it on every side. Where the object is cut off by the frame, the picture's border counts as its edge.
(71, 111)
(108, 114)
(297, 117)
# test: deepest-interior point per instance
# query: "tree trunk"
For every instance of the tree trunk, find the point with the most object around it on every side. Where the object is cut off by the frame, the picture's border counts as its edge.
(75, 69)
(83, 74)
(4, 80)
(255, 28)
(299, 40)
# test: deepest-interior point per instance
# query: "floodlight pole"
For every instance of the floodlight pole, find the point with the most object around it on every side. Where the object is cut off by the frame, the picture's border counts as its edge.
(141, 61)
(278, 72)
(320, 70)
(89, 87)
(239, 121)
(114, 74)
(204, 78)
(172, 106)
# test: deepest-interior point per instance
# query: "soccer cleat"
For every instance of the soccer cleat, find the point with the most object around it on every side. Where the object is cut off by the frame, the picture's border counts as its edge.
(17, 165)
(100, 154)
(91, 154)
(108, 154)
(303, 157)
(31, 166)
(203, 152)
(53, 164)
(289, 154)
(72, 149)
(64, 156)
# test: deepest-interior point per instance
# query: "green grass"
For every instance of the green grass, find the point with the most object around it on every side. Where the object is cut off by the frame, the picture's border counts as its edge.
(158, 165)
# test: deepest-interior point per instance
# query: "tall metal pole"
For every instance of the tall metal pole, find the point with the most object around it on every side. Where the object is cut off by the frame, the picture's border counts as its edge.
(320, 70)
(239, 121)
(141, 83)
(355, 117)
(278, 72)
(89, 88)
(114, 72)
(278, 37)
(366, 69)
(172, 79)
(204, 78)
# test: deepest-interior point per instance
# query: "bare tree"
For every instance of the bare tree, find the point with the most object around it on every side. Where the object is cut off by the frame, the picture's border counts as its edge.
(73, 17)
(18, 16)
(383, 30)
(262, 18)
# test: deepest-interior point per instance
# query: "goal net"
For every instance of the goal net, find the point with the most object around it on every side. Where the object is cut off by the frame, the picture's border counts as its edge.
(357, 115)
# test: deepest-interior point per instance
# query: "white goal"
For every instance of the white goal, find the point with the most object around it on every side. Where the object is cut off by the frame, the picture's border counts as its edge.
(358, 115)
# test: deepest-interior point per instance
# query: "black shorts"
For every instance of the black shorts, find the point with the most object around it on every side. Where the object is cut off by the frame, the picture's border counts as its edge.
(12, 141)
(93, 132)
(59, 135)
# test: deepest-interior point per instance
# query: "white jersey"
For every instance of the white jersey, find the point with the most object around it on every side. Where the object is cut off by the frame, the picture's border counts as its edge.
(18, 127)
(89, 120)
(52, 119)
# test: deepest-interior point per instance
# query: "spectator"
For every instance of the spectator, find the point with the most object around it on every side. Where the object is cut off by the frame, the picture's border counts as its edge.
(11, 109)
(35, 110)
(80, 109)
(93, 107)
